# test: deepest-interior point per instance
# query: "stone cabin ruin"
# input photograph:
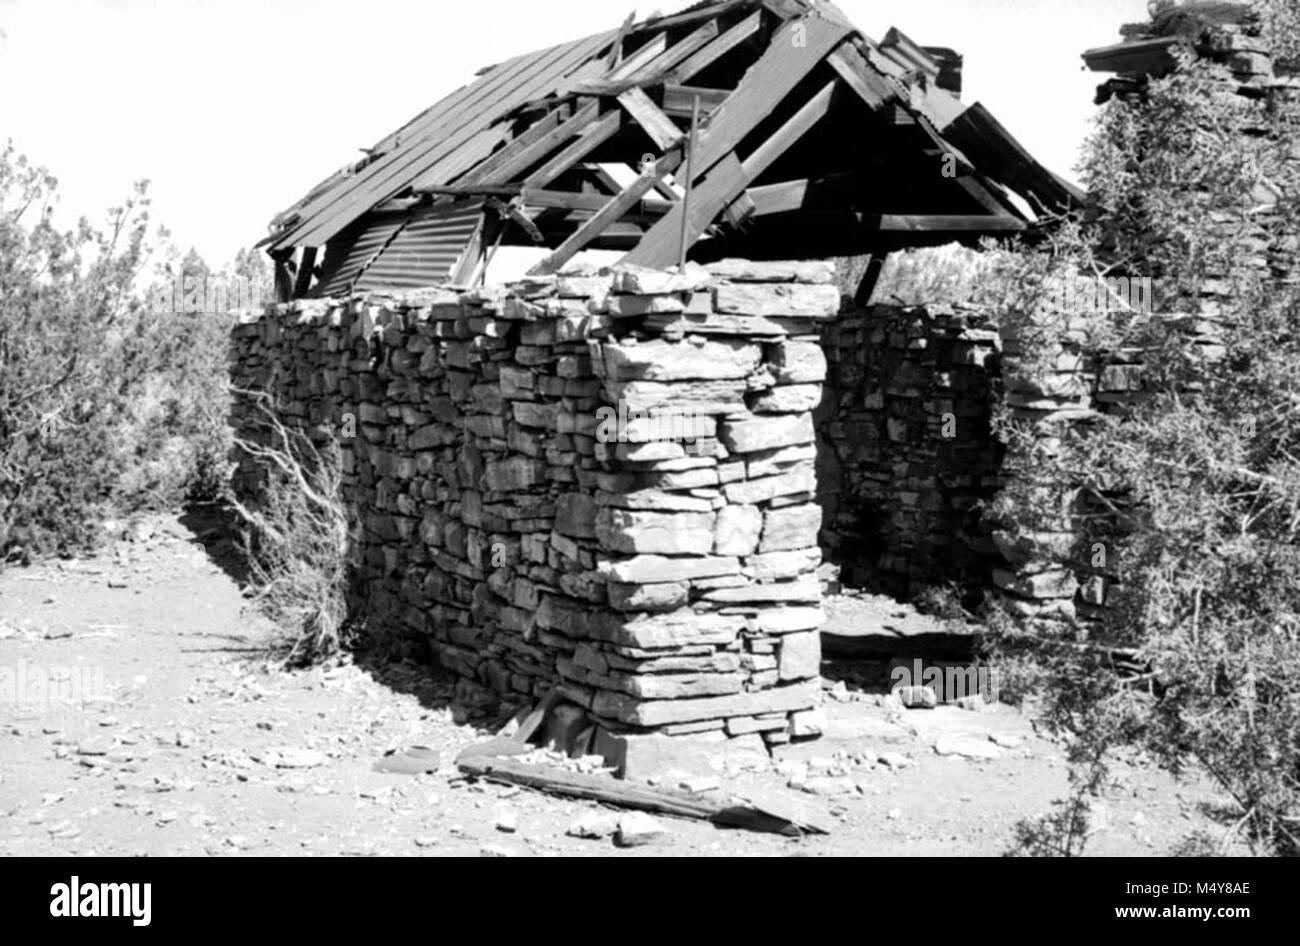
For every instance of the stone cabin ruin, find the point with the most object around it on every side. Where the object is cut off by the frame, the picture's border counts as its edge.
(524, 497)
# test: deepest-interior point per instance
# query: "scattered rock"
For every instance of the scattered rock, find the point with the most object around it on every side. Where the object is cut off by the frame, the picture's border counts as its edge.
(293, 758)
(506, 819)
(416, 760)
(918, 697)
(500, 850)
(94, 746)
(594, 824)
(829, 785)
(701, 783)
(894, 760)
(968, 747)
(637, 829)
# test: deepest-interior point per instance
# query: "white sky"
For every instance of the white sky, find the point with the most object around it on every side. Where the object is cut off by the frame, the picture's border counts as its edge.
(233, 109)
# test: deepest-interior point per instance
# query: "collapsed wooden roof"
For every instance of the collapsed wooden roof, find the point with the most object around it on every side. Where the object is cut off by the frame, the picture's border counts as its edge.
(812, 140)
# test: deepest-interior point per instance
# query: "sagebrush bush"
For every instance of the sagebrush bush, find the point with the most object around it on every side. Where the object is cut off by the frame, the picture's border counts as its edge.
(297, 540)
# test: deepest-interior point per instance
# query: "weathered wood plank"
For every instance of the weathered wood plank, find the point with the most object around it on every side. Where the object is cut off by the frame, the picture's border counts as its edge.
(718, 48)
(591, 787)
(854, 69)
(661, 129)
(676, 53)
(720, 189)
(592, 138)
(641, 57)
(502, 167)
(781, 67)
(611, 212)
(679, 100)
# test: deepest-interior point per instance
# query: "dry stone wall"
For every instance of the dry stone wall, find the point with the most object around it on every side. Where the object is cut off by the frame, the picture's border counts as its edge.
(907, 453)
(600, 484)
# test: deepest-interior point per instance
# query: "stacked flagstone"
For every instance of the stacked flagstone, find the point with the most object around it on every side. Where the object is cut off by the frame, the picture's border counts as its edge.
(597, 483)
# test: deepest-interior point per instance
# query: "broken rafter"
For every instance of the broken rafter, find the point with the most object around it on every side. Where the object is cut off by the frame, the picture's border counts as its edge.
(676, 53)
(781, 67)
(728, 181)
(679, 100)
(523, 154)
(591, 138)
(639, 58)
(719, 47)
(610, 213)
(616, 47)
(853, 68)
(658, 126)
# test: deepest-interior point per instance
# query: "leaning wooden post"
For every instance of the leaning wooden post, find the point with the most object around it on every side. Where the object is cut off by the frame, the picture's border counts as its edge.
(690, 175)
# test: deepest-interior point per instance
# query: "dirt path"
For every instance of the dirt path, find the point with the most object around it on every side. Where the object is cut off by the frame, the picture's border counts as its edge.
(198, 746)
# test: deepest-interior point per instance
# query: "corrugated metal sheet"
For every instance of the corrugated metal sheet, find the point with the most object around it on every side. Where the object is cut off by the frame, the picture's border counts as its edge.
(426, 250)
(343, 265)
(443, 141)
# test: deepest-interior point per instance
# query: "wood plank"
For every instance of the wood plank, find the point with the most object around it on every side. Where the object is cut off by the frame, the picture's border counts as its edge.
(641, 57)
(471, 115)
(661, 129)
(611, 212)
(679, 100)
(616, 48)
(441, 129)
(812, 111)
(306, 270)
(530, 152)
(781, 67)
(675, 53)
(854, 69)
(711, 53)
(694, 16)
(533, 197)
(600, 788)
(462, 273)
(777, 198)
(721, 189)
(725, 181)
(954, 223)
(593, 137)
(787, 196)
(534, 132)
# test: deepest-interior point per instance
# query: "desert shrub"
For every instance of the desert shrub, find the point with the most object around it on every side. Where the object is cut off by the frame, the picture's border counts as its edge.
(297, 539)
(1193, 493)
(174, 425)
(65, 300)
(109, 404)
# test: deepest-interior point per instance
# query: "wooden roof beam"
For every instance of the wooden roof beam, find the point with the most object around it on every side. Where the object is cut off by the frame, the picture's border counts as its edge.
(715, 50)
(609, 214)
(726, 182)
(528, 149)
(591, 138)
(661, 129)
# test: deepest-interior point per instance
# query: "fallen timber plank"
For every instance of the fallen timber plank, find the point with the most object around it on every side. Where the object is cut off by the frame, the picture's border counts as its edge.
(590, 787)
(777, 812)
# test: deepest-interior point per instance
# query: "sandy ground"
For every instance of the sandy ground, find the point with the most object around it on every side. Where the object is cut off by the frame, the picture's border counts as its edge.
(195, 744)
